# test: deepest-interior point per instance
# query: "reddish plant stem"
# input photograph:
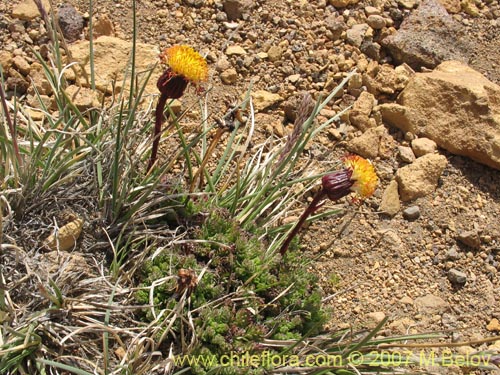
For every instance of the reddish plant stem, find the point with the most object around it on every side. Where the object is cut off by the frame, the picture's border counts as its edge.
(313, 206)
(160, 106)
(171, 86)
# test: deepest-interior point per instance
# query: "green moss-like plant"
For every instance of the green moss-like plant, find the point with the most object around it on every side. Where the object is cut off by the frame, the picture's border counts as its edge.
(266, 296)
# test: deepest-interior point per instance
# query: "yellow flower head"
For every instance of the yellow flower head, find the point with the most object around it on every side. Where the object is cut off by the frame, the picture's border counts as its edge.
(186, 62)
(363, 174)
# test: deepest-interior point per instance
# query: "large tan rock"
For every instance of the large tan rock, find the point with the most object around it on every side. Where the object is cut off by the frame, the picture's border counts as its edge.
(384, 79)
(368, 143)
(423, 146)
(82, 97)
(103, 26)
(390, 199)
(263, 99)
(6, 59)
(451, 6)
(456, 107)
(111, 58)
(431, 304)
(39, 79)
(27, 10)
(235, 50)
(421, 177)
(359, 116)
(470, 8)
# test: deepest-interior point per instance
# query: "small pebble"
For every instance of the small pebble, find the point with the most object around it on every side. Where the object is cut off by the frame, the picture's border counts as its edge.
(411, 213)
(453, 254)
(449, 320)
(409, 136)
(470, 238)
(456, 277)
(493, 325)
(406, 154)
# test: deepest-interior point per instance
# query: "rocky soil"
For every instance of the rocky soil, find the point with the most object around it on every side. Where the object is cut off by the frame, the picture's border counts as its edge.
(425, 250)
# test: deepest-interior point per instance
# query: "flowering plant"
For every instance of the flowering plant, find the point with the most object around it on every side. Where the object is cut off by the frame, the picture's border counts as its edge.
(358, 175)
(184, 66)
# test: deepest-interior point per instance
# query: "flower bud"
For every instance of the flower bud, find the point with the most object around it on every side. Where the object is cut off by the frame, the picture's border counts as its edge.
(337, 184)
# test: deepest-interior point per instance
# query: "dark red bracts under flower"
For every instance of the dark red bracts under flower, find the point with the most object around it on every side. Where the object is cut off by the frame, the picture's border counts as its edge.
(338, 184)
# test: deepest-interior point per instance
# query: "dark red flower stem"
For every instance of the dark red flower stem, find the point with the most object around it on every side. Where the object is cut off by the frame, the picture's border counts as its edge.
(160, 106)
(170, 87)
(334, 186)
(313, 206)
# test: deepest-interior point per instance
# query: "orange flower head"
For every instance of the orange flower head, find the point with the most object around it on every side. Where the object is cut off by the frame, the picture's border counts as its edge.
(186, 62)
(363, 174)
